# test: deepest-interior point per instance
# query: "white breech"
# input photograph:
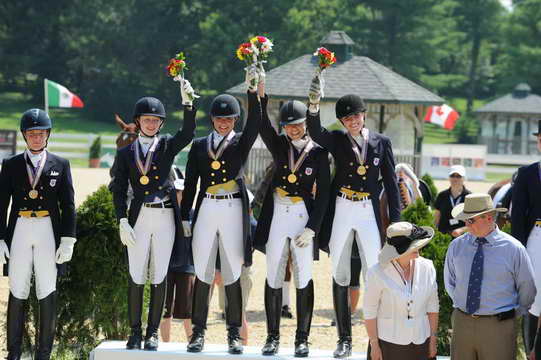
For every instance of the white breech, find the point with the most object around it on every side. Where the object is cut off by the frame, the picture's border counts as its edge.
(353, 220)
(534, 250)
(33, 244)
(218, 228)
(154, 238)
(288, 221)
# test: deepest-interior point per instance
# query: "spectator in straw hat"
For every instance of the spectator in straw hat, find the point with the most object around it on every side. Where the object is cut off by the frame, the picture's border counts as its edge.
(401, 297)
(489, 277)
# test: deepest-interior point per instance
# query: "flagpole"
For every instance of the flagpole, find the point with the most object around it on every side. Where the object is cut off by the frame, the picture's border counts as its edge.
(46, 96)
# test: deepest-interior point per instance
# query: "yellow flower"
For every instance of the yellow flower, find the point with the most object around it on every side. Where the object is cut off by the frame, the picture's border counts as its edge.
(239, 54)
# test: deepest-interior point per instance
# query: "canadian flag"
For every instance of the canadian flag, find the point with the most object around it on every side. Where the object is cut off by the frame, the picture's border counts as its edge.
(444, 116)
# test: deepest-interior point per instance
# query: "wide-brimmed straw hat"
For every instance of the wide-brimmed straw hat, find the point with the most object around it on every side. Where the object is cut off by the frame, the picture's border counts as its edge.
(474, 205)
(404, 238)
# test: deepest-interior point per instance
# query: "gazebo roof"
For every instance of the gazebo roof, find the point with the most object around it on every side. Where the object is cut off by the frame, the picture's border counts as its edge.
(359, 75)
(520, 101)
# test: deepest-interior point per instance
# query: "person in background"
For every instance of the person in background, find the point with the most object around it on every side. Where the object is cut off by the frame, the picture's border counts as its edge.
(401, 297)
(447, 200)
(489, 277)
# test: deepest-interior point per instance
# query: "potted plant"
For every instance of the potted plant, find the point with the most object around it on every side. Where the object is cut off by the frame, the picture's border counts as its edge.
(94, 153)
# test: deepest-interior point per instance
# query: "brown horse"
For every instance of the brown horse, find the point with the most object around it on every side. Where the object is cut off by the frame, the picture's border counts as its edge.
(128, 134)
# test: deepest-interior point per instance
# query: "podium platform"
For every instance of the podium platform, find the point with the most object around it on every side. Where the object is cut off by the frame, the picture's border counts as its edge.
(116, 350)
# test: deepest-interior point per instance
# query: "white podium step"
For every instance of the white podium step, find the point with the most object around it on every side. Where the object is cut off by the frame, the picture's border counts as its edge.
(116, 350)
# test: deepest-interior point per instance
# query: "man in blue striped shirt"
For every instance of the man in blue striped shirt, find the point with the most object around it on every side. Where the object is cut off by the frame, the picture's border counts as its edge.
(489, 277)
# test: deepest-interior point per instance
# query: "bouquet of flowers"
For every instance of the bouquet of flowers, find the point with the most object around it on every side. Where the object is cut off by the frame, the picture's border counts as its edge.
(175, 69)
(176, 66)
(325, 57)
(253, 53)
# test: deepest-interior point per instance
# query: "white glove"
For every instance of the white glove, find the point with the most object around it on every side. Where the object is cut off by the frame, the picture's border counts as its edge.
(127, 235)
(187, 228)
(187, 92)
(4, 252)
(262, 74)
(314, 94)
(305, 238)
(252, 77)
(65, 250)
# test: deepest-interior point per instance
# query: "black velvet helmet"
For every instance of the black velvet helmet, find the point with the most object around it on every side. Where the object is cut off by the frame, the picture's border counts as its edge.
(35, 119)
(224, 105)
(292, 112)
(149, 106)
(349, 105)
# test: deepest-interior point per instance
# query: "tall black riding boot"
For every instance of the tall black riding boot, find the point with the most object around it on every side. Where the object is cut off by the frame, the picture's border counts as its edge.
(529, 328)
(15, 327)
(305, 309)
(157, 298)
(200, 310)
(343, 320)
(233, 316)
(47, 326)
(273, 310)
(135, 310)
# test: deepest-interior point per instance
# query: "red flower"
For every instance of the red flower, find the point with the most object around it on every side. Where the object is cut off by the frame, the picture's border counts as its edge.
(261, 39)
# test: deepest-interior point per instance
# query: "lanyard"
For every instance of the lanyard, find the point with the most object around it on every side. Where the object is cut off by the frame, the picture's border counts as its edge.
(294, 166)
(360, 155)
(143, 168)
(408, 282)
(35, 173)
(210, 141)
(455, 202)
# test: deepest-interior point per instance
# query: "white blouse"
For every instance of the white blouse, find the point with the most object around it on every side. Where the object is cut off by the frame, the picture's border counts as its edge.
(386, 299)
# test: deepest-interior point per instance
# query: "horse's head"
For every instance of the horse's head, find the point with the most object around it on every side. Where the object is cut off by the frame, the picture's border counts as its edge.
(127, 135)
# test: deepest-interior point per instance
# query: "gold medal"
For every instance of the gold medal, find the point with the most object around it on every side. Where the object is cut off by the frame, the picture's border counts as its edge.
(215, 165)
(144, 180)
(33, 194)
(292, 178)
(361, 170)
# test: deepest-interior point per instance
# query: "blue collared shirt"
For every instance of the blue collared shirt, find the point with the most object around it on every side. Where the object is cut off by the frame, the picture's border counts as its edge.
(508, 281)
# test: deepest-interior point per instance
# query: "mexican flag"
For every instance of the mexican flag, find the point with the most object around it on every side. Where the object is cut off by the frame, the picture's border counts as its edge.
(444, 116)
(57, 95)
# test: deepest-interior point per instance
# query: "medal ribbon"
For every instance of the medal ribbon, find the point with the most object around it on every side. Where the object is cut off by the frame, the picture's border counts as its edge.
(143, 169)
(31, 172)
(221, 148)
(360, 156)
(294, 166)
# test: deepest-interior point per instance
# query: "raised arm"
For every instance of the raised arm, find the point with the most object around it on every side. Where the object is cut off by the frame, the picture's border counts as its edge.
(267, 132)
(185, 135)
(318, 133)
(253, 123)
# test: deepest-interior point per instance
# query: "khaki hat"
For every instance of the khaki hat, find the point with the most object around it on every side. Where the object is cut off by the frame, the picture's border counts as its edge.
(474, 205)
(404, 238)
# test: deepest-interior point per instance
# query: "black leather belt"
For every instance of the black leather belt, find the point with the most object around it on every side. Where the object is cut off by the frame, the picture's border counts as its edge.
(501, 316)
(161, 205)
(223, 197)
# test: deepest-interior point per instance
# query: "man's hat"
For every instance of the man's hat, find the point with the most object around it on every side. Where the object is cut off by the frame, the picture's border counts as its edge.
(349, 105)
(474, 205)
(292, 112)
(224, 105)
(404, 238)
(538, 128)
